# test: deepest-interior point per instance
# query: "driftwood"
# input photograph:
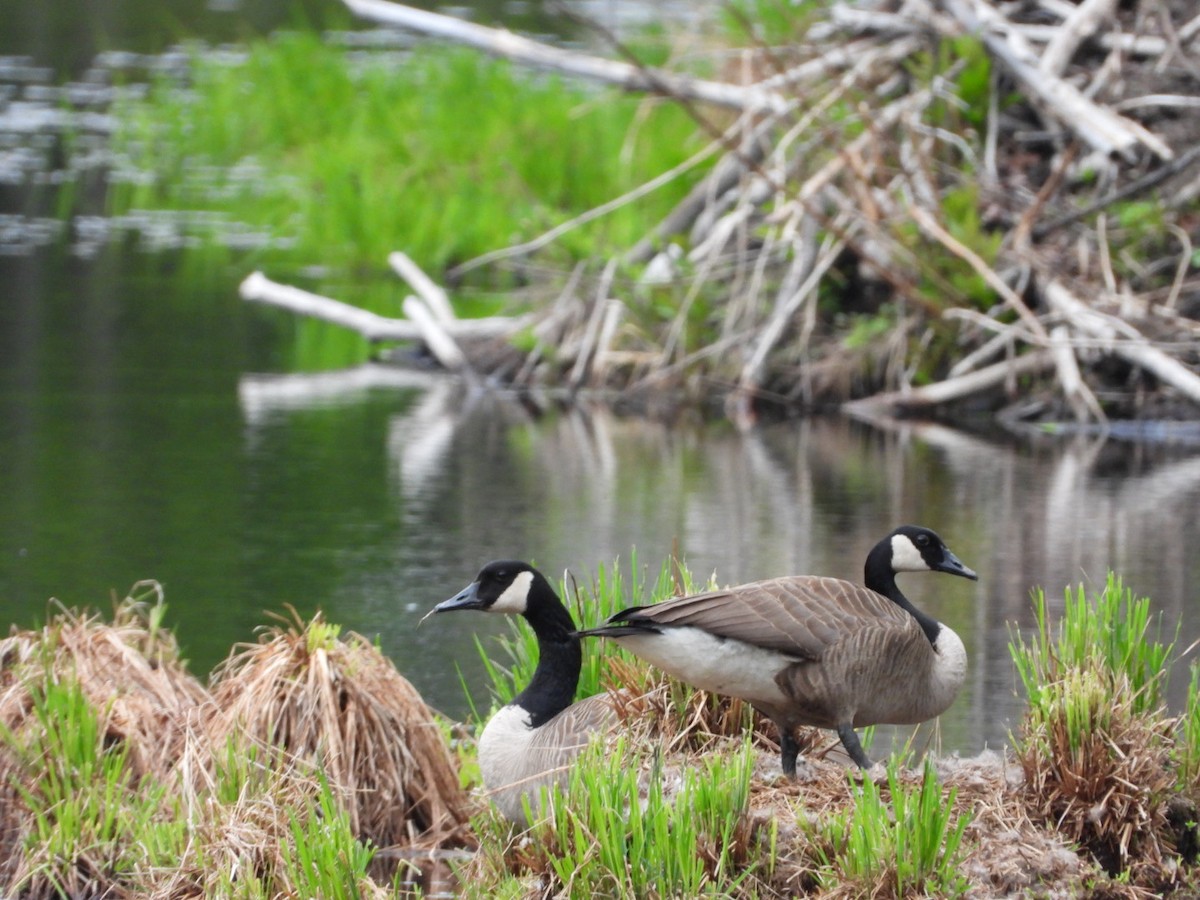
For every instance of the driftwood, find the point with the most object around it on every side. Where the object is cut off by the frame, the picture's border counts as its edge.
(257, 288)
(1122, 339)
(504, 43)
(1103, 129)
(833, 183)
(950, 390)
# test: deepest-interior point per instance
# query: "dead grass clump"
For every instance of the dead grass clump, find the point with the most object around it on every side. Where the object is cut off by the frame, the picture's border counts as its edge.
(248, 812)
(338, 701)
(129, 669)
(1103, 778)
(94, 715)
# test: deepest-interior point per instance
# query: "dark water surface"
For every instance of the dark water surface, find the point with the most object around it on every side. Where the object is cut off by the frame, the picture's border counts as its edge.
(146, 432)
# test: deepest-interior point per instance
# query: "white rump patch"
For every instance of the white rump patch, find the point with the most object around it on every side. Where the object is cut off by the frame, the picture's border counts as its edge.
(515, 597)
(905, 555)
(728, 666)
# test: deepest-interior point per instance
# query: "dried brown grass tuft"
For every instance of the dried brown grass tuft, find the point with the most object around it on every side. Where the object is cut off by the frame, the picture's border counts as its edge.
(1107, 785)
(337, 701)
(238, 840)
(129, 669)
(131, 674)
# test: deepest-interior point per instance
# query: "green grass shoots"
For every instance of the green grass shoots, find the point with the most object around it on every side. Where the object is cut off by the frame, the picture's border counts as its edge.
(912, 847)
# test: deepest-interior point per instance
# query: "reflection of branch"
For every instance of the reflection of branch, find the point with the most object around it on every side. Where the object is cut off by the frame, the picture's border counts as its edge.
(1162, 488)
(417, 440)
(262, 395)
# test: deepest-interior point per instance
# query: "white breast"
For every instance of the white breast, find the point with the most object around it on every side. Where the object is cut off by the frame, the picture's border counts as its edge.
(510, 767)
(721, 666)
(949, 670)
(503, 745)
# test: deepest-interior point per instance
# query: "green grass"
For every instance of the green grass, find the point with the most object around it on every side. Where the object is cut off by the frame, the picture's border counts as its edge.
(1096, 744)
(626, 827)
(443, 153)
(910, 847)
(323, 857)
(91, 822)
(612, 841)
(1111, 634)
(1188, 749)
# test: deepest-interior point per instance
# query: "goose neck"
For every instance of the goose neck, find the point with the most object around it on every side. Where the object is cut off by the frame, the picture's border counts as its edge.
(880, 577)
(552, 688)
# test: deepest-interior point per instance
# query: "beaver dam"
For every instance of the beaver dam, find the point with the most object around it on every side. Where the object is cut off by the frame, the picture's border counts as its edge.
(958, 208)
(308, 766)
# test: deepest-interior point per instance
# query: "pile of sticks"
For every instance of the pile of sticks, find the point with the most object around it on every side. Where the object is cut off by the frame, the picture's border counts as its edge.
(1092, 110)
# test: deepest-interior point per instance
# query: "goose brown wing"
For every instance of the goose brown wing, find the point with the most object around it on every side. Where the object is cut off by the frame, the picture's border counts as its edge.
(798, 615)
(563, 738)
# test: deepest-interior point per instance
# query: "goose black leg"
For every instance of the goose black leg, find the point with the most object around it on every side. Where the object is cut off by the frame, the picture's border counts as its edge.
(788, 750)
(850, 741)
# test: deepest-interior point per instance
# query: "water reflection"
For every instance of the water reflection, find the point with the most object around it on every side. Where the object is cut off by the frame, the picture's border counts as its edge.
(477, 475)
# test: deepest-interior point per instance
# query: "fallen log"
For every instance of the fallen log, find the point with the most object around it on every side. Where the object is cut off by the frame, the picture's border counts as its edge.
(1099, 127)
(257, 288)
(1078, 27)
(1123, 340)
(926, 396)
(433, 332)
(501, 42)
(429, 291)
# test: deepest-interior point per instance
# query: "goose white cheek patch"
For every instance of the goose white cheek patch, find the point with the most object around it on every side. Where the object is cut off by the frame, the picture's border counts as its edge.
(906, 557)
(515, 596)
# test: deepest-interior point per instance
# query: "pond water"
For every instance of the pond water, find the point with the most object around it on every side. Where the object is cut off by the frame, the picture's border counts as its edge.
(146, 432)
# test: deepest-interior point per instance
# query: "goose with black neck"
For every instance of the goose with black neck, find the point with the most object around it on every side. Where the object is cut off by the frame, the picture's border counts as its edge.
(529, 743)
(810, 650)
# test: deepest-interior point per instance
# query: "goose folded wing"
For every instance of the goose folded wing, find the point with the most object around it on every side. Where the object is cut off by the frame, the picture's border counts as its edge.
(799, 616)
(563, 738)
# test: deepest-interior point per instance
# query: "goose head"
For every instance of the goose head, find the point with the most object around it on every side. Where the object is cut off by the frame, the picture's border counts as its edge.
(911, 548)
(503, 586)
(517, 589)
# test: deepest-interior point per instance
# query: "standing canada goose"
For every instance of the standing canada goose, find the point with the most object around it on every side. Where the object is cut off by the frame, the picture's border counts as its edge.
(530, 743)
(806, 650)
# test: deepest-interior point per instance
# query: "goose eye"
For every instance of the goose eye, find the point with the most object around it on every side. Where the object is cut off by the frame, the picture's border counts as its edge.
(923, 539)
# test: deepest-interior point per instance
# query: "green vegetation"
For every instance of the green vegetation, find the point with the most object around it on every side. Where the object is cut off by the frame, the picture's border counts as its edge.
(1096, 744)
(1111, 635)
(90, 818)
(166, 788)
(912, 847)
(441, 153)
(625, 829)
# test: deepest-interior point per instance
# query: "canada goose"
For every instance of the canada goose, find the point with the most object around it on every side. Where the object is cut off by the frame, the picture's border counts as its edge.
(530, 742)
(806, 650)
